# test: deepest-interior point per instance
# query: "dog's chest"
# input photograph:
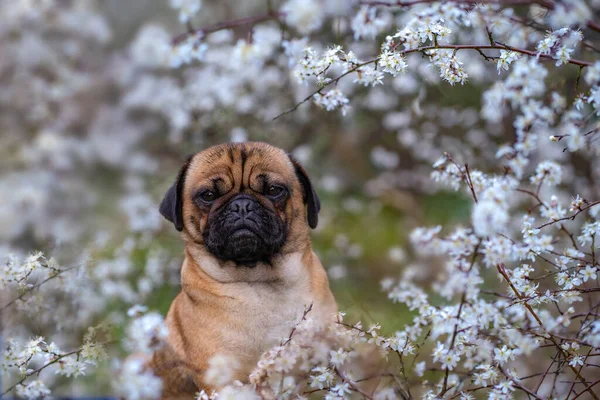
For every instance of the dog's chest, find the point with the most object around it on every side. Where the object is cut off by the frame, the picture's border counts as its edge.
(269, 313)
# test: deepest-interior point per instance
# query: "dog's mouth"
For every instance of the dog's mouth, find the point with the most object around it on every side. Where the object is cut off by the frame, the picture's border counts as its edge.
(245, 247)
(245, 234)
(245, 242)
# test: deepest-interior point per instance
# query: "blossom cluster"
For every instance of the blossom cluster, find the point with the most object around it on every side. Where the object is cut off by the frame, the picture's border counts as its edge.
(145, 334)
(37, 356)
(330, 360)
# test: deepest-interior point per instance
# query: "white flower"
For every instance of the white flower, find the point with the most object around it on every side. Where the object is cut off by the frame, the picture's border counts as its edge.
(503, 354)
(592, 74)
(135, 381)
(420, 368)
(221, 370)
(384, 159)
(563, 55)
(397, 254)
(238, 392)
(147, 333)
(339, 357)
(304, 15)
(577, 360)
(341, 389)
(505, 59)
(332, 100)
(488, 218)
(594, 98)
(451, 69)
(369, 76)
(321, 378)
(69, 366)
(548, 172)
(285, 362)
(576, 203)
(33, 390)
(392, 63)
(188, 50)
(589, 273)
(137, 310)
(449, 360)
(187, 9)
(366, 23)
(488, 373)
(571, 12)
(438, 352)
(545, 46)
(505, 387)
(93, 353)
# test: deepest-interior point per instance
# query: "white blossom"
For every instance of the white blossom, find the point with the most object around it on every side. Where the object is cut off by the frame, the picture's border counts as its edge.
(137, 382)
(147, 333)
(489, 218)
(33, 390)
(187, 8)
(367, 24)
(332, 100)
(303, 15)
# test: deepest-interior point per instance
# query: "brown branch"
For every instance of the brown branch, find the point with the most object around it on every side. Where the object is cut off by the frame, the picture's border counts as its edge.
(293, 331)
(458, 316)
(352, 385)
(519, 386)
(547, 4)
(593, 26)
(29, 290)
(37, 371)
(307, 98)
(572, 217)
(470, 183)
(572, 389)
(537, 388)
(588, 389)
(401, 3)
(502, 271)
(233, 23)
(496, 46)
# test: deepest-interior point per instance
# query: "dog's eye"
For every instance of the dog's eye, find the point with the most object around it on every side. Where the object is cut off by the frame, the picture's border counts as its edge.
(208, 196)
(274, 191)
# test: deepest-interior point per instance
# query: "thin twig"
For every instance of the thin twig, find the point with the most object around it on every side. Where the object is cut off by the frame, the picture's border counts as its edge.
(502, 271)
(496, 46)
(233, 23)
(547, 4)
(29, 290)
(37, 371)
(571, 217)
(587, 389)
(458, 317)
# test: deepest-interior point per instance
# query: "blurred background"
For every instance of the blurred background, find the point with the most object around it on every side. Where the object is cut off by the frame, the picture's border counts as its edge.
(94, 126)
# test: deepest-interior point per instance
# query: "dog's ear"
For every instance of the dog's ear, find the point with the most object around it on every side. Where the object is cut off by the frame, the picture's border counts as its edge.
(171, 205)
(310, 195)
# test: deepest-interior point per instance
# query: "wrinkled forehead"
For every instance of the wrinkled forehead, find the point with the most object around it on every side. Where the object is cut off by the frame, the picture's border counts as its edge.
(241, 162)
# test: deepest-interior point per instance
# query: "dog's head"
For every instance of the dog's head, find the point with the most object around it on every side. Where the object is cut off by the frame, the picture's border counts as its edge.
(244, 202)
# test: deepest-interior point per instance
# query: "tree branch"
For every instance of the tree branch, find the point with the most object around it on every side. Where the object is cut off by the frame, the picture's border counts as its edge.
(502, 272)
(29, 290)
(230, 24)
(496, 46)
(547, 4)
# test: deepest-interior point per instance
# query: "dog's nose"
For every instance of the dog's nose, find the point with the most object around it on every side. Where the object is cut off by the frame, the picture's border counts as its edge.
(242, 206)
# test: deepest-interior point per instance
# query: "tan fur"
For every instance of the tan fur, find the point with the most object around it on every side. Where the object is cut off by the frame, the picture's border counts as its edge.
(224, 309)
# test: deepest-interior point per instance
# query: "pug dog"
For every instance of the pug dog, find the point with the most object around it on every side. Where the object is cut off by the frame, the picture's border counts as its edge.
(244, 211)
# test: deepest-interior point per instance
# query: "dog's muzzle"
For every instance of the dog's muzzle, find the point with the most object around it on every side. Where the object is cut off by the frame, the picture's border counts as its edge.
(245, 232)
